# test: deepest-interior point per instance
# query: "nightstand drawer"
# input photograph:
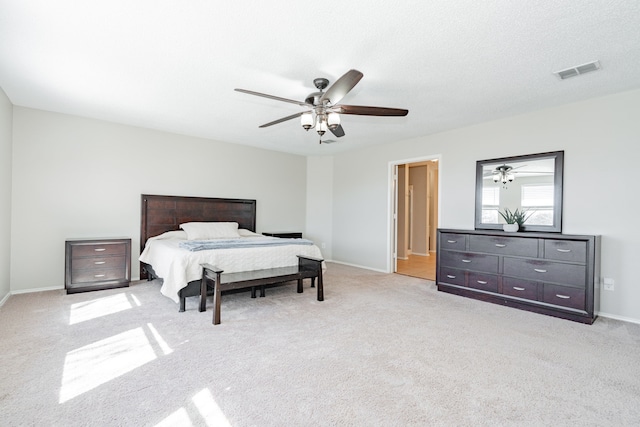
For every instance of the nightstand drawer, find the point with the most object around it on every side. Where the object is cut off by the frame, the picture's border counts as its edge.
(97, 263)
(98, 275)
(98, 249)
(284, 234)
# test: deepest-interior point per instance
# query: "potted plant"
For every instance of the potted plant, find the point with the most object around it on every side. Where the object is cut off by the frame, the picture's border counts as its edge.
(514, 219)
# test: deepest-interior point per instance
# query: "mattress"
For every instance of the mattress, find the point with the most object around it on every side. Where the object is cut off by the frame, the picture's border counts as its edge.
(177, 266)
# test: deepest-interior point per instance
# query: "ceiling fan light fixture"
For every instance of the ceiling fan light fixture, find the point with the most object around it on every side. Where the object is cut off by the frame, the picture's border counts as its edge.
(333, 120)
(321, 125)
(306, 120)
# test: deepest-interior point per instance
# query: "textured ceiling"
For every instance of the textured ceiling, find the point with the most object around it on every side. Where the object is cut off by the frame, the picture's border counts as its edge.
(173, 65)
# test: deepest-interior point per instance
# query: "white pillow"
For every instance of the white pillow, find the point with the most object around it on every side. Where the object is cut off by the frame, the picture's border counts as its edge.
(243, 232)
(210, 230)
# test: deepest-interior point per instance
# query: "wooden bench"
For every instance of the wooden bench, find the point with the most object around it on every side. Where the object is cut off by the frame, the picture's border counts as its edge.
(308, 267)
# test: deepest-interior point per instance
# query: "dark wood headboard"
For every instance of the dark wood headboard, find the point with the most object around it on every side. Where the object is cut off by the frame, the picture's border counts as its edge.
(166, 213)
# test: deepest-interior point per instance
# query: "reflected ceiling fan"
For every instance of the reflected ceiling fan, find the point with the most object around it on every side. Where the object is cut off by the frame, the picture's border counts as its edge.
(505, 173)
(323, 109)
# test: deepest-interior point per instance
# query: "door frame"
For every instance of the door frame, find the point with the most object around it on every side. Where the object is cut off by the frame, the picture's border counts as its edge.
(392, 204)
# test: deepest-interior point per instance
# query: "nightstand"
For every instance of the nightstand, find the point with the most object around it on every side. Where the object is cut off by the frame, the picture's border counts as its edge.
(284, 234)
(95, 264)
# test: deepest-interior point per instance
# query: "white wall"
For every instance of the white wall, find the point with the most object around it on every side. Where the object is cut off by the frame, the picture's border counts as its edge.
(600, 139)
(6, 119)
(76, 177)
(320, 203)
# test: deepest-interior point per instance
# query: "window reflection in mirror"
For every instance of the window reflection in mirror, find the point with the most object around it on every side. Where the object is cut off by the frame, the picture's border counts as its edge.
(532, 183)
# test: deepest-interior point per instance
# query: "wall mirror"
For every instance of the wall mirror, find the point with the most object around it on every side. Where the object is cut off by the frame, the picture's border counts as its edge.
(532, 183)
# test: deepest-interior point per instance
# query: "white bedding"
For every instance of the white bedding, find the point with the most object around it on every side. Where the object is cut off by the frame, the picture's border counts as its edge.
(177, 266)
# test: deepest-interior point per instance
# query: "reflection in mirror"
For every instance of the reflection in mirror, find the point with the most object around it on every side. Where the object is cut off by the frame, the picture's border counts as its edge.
(531, 183)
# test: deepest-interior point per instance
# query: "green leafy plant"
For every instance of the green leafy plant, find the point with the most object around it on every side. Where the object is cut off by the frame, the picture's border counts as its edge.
(515, 217)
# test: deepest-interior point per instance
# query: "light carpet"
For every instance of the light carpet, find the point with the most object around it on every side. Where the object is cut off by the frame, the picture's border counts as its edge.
(381, 350)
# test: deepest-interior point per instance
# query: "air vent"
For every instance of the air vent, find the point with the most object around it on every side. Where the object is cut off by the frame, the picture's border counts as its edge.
(329, 141)
(578, 70)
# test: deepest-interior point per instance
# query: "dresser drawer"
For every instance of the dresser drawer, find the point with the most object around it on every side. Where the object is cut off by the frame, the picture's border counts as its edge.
(98, 275)
(97, 249)
(97, 263)
(565, 250)
(485, 282)
(453, 241)
(520, 288)
(546, 271)
(451, 275)
(515, 246)
(469, 261)
(564, 296)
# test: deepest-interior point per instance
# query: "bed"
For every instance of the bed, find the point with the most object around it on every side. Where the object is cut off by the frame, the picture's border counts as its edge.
(161, 237)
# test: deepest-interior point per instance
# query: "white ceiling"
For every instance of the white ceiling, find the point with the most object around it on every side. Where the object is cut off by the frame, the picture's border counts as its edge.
(173, 65)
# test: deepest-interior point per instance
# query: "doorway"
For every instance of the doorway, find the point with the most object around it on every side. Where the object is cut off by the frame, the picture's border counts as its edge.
(416, 218)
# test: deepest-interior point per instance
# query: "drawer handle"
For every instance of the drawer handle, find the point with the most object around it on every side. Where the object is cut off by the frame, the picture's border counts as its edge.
(563, 250)
(99, 275)
(518, 288)
(99, 249)
(99, 262)
(539, 270)
(563, 296)
(452, 241)
(500, 245)
(450, 276)
(482, 282)
(466, 260)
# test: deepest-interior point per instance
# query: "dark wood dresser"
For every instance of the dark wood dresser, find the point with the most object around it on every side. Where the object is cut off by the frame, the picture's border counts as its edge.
(548, 273)
(94, 264)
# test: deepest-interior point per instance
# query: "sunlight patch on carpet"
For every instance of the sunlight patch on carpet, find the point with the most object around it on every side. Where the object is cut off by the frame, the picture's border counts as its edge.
(209, 409)
(100, 362)
(87, 310)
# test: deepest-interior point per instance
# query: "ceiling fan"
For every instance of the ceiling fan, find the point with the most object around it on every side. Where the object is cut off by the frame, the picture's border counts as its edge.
(505, 173)
(323, 109)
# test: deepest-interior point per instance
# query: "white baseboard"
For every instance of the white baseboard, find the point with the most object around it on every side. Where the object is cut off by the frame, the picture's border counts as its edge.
(621, 318)
(360, 266)
(420, 254)
(28, 291)
(6, 297)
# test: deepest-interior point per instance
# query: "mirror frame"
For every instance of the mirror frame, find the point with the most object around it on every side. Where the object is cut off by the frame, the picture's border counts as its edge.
(558, 157)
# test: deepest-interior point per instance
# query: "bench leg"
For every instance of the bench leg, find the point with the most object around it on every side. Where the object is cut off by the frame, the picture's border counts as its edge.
(253, 292)
(320, 288)
(203, 293)
(300, 286)
(313, 282)
(262, 291)
(216, 301)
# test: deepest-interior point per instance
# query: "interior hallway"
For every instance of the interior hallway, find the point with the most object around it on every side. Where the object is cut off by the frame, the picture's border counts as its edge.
(418, 266)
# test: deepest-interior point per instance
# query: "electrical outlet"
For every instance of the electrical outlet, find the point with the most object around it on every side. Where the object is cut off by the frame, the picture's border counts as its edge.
(609, 284)
(324, 245)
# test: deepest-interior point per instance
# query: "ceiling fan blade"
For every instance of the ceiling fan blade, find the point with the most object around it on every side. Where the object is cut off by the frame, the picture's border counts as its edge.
(277, 98)
(339, 132)
(284, 119)
(370, 111)
(342, 86)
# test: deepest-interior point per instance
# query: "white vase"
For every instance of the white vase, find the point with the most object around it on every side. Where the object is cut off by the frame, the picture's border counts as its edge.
(510, 227)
